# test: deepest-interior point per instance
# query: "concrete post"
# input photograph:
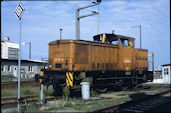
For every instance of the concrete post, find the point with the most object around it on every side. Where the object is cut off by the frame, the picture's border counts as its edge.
(30, 50)
(41, 94)
(77, 25)
(60, 34)
(140, 37)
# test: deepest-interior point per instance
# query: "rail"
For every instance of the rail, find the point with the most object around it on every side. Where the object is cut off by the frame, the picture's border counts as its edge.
(116, 108)
(12, 101)
(14, 84)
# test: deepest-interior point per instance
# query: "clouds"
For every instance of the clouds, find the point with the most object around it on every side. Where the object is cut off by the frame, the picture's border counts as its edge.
(42, 20)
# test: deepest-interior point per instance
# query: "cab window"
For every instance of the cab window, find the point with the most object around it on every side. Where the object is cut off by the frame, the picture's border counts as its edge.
(115, 41)
(130, 43)
(124, 42)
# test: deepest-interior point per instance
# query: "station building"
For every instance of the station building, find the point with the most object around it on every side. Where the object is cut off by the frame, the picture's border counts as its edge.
(9, 67)
(9, 61)
(166, 73)
(163, 76)
(9, 50)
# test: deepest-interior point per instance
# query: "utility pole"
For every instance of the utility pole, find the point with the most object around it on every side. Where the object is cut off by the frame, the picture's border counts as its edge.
(140, 33)
(98, 23)
(24, 43)
(79, 17)
(60, 34)
(30, 51)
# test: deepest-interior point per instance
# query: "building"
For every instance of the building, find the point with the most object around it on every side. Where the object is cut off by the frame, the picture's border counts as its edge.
(9, 50)
(166, 73)
(9, 67)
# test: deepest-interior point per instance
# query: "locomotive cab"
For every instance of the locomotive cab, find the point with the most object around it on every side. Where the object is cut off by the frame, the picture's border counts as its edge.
(115, 39)
(106, 38)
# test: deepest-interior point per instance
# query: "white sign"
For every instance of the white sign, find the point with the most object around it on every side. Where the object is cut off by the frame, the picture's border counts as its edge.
(19, 10)
(127, 61)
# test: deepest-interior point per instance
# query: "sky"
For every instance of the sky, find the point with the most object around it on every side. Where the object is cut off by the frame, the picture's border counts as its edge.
(42, 20)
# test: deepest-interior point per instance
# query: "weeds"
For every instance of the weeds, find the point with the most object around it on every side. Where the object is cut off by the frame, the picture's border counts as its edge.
(5, 79)
(14, 111)
(24, 91)
(93, 93)
(66, 92)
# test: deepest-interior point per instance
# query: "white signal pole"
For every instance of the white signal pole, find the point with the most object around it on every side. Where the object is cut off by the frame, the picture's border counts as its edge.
(19, 11)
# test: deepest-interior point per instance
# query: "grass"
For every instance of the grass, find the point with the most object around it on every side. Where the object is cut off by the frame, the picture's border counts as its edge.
(13, 111)
(28, 90)
(93, 93)
(23, 91)
(76, 104)
(10, 78)
(31, 109)
(98, 104)
(50, 89)
(82, 105)
(5, 79)
(156, 85)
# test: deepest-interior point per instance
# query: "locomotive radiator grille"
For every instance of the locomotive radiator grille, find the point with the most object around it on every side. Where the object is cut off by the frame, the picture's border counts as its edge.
(69, 79)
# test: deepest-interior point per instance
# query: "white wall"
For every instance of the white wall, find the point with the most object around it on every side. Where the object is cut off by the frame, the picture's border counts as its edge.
(166, 77)
(4, 51)
(4, 48)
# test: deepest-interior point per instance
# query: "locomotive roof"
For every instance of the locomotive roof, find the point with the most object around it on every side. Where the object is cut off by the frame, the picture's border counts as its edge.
(116, 35)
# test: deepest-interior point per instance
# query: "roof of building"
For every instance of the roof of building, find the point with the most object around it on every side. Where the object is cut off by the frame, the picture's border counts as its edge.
(166, 65)
(7, 41)
(26, 60)
(10, 44)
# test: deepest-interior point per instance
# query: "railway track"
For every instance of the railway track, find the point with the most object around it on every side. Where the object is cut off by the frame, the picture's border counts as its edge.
(14, 84)
(7, 102)
(143, 104)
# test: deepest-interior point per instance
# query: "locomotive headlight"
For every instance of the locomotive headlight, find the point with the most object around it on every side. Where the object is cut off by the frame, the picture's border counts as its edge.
(50, 65)
(66, 65)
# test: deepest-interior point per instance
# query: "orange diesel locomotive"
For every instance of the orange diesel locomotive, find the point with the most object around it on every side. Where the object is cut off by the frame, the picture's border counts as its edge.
(109, 61)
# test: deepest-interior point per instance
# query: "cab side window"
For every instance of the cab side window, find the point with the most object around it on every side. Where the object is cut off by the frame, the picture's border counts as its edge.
(124, 42)
(130, 43)
(115, 41)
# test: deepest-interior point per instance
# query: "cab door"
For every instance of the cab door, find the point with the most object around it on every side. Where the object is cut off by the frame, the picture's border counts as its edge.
(126, 54)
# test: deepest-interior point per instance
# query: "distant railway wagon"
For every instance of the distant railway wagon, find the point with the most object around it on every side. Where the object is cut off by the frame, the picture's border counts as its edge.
(109, 61)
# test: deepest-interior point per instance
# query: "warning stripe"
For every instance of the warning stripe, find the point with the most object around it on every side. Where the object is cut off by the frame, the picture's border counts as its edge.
(71, 76)
(67, 82)
(69, 79)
